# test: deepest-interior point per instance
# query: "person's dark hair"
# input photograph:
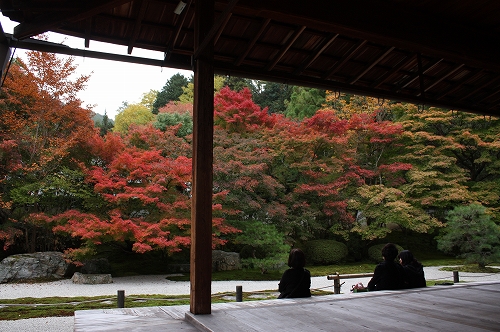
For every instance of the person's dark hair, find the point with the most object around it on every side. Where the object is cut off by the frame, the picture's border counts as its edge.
(389, 252)
(407, 258)
(296, 259)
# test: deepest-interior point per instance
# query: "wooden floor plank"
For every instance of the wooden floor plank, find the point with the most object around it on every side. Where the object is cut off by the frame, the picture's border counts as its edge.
(472, 307)
(440, 311)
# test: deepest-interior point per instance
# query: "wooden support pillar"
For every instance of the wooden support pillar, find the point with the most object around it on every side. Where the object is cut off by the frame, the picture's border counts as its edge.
(203, 119)
(5, 54)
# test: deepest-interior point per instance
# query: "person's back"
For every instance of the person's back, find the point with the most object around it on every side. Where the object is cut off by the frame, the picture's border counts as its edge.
(388, 275)
(414, 271)
(296, 281)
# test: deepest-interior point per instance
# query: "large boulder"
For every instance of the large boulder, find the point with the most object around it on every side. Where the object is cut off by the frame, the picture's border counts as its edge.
(225, 261)
(37, 266)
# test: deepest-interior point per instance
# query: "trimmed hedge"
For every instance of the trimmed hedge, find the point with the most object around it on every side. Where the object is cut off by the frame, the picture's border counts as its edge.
(325, 252)
(375, 252)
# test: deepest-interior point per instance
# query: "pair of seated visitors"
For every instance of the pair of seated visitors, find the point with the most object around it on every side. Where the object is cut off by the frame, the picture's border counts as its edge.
(389, 275)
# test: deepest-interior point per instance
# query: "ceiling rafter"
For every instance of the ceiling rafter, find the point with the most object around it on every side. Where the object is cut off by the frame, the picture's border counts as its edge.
(496, 91)
(286, 47)
(373, 64)
(393, 71)
(289, 78)
(466, 80)
(419, 74)
(143, 4)
(479, 88)
(443, 77)
(219, 24)
(349, 54)
(495, 101)
(88, 31)
(463, 48)
(415, 30)
(221, 29)
(263, 27)
(316, 53)
(51, 20)
(44, 46)
(179, 24)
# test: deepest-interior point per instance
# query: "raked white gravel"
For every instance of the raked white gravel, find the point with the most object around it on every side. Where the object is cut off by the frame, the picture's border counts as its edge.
(159, 284)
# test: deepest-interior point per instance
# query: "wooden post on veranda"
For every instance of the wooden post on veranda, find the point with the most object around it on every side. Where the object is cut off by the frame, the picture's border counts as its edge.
(203, 118)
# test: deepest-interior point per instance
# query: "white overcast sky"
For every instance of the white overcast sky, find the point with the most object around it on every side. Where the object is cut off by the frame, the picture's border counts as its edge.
(111, 82)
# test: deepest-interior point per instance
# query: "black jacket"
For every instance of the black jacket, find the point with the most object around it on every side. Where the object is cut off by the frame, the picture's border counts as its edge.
(414, 275)
(387, 276)
(295, 283)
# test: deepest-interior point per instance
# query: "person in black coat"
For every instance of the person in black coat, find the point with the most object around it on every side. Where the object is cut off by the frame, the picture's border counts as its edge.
(414, 271)
(296, 281)
(388, 275)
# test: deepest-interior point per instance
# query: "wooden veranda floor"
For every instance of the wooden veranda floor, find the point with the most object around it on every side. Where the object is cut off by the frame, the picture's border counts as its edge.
(461, 307)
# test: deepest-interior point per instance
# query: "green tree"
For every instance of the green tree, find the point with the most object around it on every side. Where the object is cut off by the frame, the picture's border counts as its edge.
(274, 96)
(133, 114)
(237, 83)
(105, 125)
(304, 102)
(187, 96)
(184, 122)
(471, 234)
(148, 99)
(264, 245)
(455, 157)
(171, 91)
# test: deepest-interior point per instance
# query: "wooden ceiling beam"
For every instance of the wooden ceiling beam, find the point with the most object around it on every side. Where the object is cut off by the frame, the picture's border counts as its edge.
(495, 92)
(143, 4)
(88, 31)
(219, 24)
(414, 77)
(289, 78)
(43, 46)
(373, 64)
(47, 22)
(445, 76)
(263, 27)
(348, 55)
(479, 88)
(420, 75)
(457, 85)
(393, 71)
(178, 28)
(321, 48)
(285, 48)
(375, 21)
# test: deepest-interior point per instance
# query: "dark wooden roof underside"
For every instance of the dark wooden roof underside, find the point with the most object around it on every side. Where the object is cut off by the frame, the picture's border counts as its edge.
(443, 53)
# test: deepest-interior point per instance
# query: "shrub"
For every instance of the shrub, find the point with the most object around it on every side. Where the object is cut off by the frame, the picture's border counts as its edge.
(325, 252)
(471, 234)
(375, 251)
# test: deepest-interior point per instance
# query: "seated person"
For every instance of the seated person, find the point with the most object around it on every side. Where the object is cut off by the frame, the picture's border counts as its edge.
(296, 281)
(413, 270)
(388, 275)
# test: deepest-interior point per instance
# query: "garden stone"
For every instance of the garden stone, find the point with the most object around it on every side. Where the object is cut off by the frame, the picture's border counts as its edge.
(36, 266)
(225, 261)
(91, 279)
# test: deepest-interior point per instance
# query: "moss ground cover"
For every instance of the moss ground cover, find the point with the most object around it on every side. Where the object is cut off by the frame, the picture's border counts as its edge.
(22, 308)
